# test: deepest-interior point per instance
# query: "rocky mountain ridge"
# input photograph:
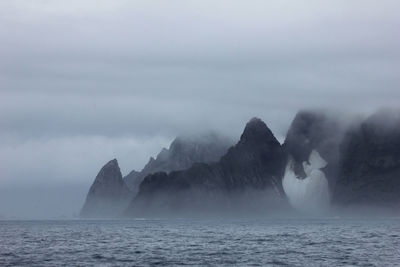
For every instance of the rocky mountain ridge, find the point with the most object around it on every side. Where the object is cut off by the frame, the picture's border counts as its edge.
(370, 163)
(323, 160)
(181, 154)
(245, 179)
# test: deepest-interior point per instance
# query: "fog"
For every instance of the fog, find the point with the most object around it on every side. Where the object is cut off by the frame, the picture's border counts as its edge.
(82, 82)
(200, 203)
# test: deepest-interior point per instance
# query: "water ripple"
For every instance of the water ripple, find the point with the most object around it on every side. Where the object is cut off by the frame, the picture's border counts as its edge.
(200, 242)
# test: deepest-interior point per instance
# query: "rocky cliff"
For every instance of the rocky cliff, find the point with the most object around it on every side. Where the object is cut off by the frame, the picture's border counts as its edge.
(182, 153)
(322, 161)
(370, 163)
(314, 131)
(245, 180)
(312, 150)
(108, 196)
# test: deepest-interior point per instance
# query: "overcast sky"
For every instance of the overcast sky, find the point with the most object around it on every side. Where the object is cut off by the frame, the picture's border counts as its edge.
(82, 82)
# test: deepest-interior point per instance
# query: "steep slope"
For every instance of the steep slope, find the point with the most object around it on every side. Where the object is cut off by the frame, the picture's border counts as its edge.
(312, 149)
(245, 180)
(108, 196)
(370, 166)
(182, 153)
(314, 131)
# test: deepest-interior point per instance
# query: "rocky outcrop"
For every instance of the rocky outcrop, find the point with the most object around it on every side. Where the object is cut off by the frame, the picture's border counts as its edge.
(322, 161)
(370, 163)
(245, 180)
(182, 153)
(108, 196)
(312, 150)
(314, 131)
(340, 160)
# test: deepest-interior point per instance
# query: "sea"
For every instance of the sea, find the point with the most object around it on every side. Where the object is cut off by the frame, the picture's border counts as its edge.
(201, 242)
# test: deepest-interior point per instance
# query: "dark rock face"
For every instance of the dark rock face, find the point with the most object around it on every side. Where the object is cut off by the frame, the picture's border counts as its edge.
(182, 153)
(246, 179)
(312, 163)
(108, 196)
(255, 161)
(370, 165)
(321, 158)
(311, 130)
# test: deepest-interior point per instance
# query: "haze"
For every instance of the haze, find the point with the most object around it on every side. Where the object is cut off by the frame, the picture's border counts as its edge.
(82, 82)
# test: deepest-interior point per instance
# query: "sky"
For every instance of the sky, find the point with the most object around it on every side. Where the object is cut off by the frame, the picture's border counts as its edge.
(83, 82)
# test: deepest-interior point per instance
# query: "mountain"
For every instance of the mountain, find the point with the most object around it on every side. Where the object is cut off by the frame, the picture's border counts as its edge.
(314, 131)
(325, 159)
(182, 153)
(370, 163)
(312, 150)
(247, 179)
(108, 196)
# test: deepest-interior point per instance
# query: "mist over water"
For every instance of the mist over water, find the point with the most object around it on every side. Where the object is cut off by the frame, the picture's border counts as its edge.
(309, 196)
(42, 201)
(87, 81)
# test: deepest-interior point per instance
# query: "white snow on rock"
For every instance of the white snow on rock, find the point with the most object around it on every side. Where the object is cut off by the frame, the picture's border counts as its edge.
(310, 194)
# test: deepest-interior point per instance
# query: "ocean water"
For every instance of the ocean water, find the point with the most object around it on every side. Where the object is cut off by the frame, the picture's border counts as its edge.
(274, 242)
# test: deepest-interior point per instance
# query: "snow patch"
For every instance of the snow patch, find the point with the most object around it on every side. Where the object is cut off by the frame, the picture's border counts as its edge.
(310, 194)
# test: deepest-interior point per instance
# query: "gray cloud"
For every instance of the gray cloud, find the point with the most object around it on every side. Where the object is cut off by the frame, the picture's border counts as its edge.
(82, 82)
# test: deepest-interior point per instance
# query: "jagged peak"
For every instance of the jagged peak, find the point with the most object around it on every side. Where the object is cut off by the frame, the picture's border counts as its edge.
(181, 140)
(199, 137)
(110, 167)
(256, 130)
(111, 164)
(163, 155)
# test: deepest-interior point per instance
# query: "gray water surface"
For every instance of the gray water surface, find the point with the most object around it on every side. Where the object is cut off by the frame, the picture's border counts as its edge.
(291, 242)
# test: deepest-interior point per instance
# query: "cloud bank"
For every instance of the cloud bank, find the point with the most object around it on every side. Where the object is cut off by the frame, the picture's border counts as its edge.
(82, 82)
